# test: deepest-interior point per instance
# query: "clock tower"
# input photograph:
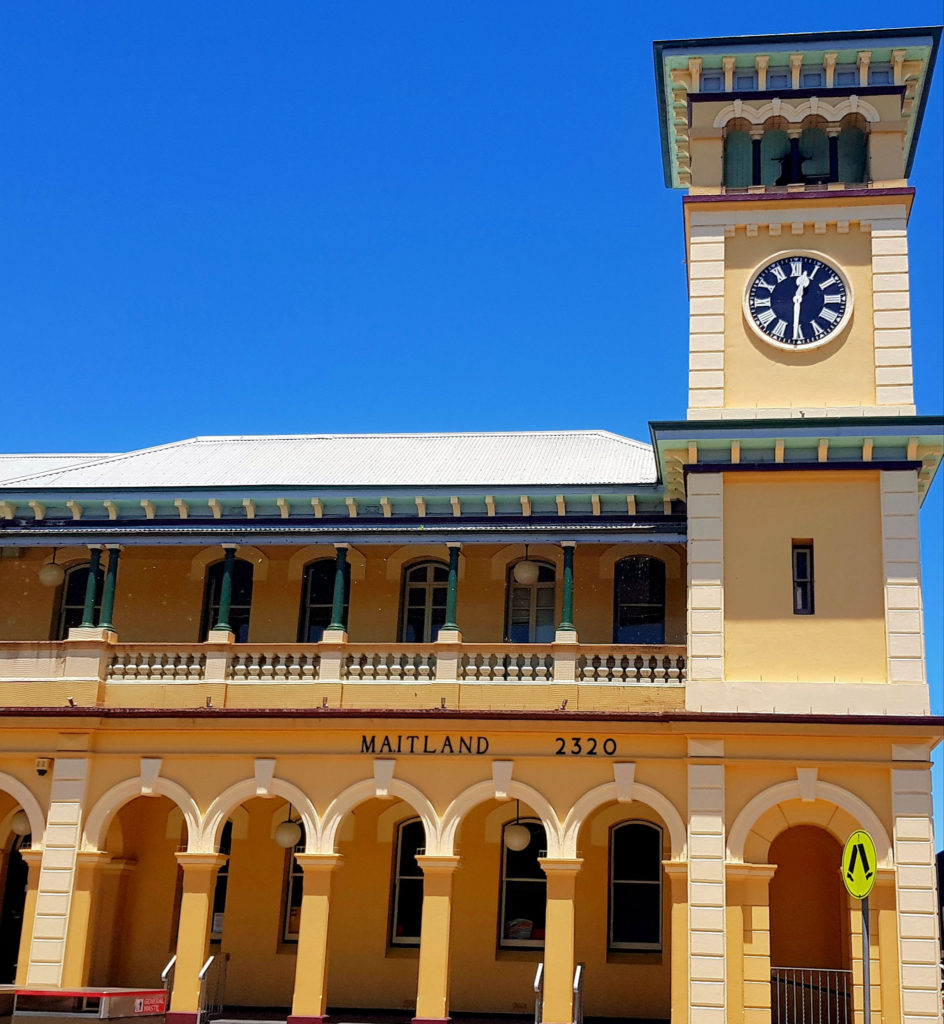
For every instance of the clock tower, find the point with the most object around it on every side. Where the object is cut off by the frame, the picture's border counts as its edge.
(795, 151)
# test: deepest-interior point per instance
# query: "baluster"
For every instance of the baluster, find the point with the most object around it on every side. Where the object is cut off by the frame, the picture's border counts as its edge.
(254, 666)
(369, 668)
(618, 671)
(195, 669)
(542, 669)
(424, 668)
(239, 666)
(353, 667)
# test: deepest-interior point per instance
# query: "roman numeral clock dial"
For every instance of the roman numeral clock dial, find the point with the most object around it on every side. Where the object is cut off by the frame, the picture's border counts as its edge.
(797, 300)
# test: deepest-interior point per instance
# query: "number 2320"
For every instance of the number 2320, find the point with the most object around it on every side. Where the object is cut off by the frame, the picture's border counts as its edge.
(585, 745)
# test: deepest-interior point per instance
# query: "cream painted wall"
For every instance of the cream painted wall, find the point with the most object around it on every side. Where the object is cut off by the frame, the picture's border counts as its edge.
(845, 639)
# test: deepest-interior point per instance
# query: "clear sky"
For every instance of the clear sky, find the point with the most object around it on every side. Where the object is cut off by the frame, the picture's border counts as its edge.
(237, 217)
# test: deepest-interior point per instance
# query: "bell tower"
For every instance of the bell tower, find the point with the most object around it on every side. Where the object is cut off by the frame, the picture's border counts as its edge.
(795, 151)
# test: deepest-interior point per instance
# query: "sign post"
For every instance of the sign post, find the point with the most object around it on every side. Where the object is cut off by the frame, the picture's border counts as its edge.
(858, 873)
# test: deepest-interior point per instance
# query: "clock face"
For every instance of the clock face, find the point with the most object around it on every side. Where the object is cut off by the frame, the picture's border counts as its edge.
(797, 301)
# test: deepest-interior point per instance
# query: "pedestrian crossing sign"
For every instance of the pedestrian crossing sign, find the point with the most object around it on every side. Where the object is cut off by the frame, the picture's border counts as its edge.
(859, 864)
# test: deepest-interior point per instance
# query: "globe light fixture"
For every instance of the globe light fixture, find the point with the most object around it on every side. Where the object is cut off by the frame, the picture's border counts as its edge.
(526, 572)
(51, 574)
(517, 836)
(289, 832)
(20, 823)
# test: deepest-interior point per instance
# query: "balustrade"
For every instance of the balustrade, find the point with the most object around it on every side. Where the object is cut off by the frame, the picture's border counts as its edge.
(299, 664)
(154, 664)
(396, 664)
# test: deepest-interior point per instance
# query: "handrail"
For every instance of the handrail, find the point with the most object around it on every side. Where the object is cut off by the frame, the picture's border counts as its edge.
(539, 993)
(578, 994)
(165, 974)
(205, 967)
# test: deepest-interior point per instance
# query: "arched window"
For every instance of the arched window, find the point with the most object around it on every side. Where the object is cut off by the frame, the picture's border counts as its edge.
(294, 888)
(72, 598)
(523, 890)
(738, 159)
(639, 601)
(853, 154)
(529, 616)
(240, 601)
(814, 154)
(406, 901)
(635, 886)
(774, 157)
(317, 599)
(423, 610)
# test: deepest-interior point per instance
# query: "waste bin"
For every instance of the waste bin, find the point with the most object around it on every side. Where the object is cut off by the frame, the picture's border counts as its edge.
(72, 1006)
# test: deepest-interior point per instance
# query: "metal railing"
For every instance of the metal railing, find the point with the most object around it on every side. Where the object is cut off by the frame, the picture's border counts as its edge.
(578, 993)
(166, 973)
(810, 995)
(212, 978)
(539, 993)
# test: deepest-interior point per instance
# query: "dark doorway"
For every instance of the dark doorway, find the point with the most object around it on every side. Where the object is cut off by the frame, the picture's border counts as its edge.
(11, 911)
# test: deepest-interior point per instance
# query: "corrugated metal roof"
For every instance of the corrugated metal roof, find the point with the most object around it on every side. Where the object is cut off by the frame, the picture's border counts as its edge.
(14, 466)
(576, 457)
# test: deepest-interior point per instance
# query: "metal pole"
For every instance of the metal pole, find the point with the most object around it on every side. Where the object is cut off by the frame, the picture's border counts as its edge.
(91, 588)
(567, 591)
(108, 593)
(452, 590)
(866, 965)
(226, 588)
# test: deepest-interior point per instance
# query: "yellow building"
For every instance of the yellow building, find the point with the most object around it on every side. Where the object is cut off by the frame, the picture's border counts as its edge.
(403, 722)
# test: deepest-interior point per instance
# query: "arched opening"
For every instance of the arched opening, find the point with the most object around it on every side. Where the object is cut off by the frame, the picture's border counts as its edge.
(71, 603)
(423, 604)
(853, 150)
(529, 608)
(809, 931)
(135, 895)
(738, 155)
(775, 156)
(376, 911)
(814, 152)
(624, 912)
(318, 597)
(14, 878)
(639, 601)
(240, 599)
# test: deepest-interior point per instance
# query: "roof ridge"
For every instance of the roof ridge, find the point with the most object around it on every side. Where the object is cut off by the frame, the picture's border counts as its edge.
(592, 431)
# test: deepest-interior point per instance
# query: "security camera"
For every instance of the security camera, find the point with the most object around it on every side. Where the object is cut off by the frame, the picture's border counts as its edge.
(42, 765)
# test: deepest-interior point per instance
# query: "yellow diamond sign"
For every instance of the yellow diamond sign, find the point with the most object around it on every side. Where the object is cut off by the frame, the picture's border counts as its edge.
(858, 864)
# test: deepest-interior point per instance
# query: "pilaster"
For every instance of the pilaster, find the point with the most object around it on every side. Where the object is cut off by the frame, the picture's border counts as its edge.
(57, 872)
(705, 578)
(916, 884)
(706, 883)
(891, 305)
(706, 324)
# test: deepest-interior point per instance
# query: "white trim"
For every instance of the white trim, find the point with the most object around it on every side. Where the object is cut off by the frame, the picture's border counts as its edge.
(30, 805)
(796, 112)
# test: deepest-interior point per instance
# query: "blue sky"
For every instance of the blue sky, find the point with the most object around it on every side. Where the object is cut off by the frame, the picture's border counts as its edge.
(319, 216)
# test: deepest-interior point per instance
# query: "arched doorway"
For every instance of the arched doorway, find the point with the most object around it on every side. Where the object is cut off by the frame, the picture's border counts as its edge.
(809, 931)
(14, 877)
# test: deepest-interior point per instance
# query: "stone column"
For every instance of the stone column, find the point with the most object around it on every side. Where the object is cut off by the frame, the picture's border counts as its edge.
(193, 933)
(559, 939)
(80, 938)
(452, 592)
(566, 631)
(337, 627)
(311, 989)
(226, 589)
(432, 990)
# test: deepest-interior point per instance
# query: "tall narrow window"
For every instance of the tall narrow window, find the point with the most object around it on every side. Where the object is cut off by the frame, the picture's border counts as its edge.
(802, 577)
(530, 612)
(222, 883)
(406, 911)
(523, 891)
(853, 154)
(639, 612)
(241, 600)
(317, 599)
(738, 160)
(423, 611)
(635, 886)
(72, 598)
(294, 887)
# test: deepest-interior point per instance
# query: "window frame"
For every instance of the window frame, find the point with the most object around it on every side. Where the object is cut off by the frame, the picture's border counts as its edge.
(634, 947)
(305, 603)
(293, 871)
(533, 588)
(60, 630)
(531, 824)
(211, 602)
(803, 603)
(404, 941)
(429, 585)
(639, 604)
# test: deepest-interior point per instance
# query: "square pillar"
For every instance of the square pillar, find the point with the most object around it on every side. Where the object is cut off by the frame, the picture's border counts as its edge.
(311, 990)
(748, 941)
(193, 933)
(559, 939)
(80, 937)
(677, 874)
(34, 859)
(432, 990)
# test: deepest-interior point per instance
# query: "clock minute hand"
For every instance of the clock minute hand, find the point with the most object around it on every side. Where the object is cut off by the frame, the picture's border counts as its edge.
(802, 282)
